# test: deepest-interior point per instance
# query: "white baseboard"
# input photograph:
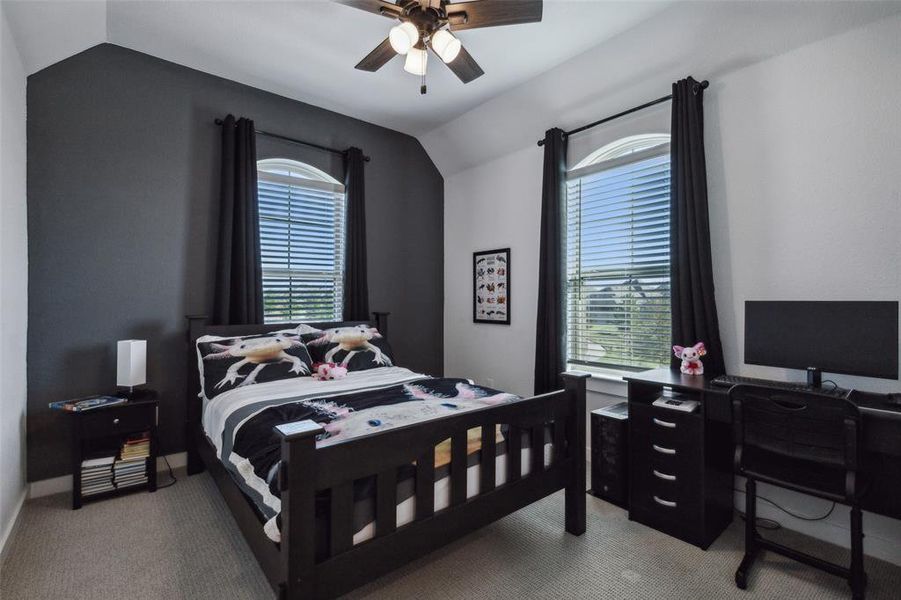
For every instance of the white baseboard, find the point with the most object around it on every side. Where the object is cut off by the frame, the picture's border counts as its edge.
(10, 528)
(59, 485)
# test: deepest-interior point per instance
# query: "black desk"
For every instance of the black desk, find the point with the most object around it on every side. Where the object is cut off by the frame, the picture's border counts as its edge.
(881, 428)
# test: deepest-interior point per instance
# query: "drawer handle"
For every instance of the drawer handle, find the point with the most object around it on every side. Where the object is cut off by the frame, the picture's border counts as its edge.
(664, 423)
(664, 476)
(115, 421)
(663, 450)
(667, 503)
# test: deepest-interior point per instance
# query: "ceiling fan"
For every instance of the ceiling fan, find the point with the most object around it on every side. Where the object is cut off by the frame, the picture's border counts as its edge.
(424, 24)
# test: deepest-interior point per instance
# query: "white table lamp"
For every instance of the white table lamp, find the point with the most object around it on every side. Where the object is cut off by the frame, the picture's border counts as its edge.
(131, 363)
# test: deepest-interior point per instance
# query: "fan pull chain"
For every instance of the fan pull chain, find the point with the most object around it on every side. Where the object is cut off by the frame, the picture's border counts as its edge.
(422, 85)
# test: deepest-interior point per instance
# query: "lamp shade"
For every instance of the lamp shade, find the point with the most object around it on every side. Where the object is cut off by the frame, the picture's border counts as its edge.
(403, 37)
(131, 363)
(416, 61)
(446, 45)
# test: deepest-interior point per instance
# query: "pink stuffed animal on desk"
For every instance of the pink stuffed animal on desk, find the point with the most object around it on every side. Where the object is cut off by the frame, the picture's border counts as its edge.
(691, 358)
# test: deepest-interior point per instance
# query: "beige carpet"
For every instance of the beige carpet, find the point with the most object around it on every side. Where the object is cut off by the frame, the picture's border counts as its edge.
(182, 543)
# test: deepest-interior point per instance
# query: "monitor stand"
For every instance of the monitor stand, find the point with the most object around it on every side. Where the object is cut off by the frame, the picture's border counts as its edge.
(814, 377)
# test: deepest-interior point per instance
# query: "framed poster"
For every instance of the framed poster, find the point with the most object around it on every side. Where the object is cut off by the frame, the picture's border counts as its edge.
(491, 286)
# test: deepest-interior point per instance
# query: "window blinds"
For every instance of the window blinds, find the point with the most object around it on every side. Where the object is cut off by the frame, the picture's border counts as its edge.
(302, 248)
(618, 273)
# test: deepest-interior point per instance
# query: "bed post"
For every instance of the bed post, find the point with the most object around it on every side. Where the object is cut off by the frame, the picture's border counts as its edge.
(574, 383)
(381, 322)
(297, 483)
(193, 403)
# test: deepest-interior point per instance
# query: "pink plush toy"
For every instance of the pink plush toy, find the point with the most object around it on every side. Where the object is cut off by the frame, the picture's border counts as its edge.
(691, 358)
(324, 371)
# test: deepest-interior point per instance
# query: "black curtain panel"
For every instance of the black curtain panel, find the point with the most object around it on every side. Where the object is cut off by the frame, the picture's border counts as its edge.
(356, 284)
(550, 331)
(693, 302)
(239, 282)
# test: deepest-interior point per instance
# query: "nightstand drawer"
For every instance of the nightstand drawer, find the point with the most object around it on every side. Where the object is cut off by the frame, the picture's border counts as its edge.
(118, 420)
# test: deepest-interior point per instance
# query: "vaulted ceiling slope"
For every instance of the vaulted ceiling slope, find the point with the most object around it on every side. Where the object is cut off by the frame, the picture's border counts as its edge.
(307, 50)
(703, 39)
(585, 59)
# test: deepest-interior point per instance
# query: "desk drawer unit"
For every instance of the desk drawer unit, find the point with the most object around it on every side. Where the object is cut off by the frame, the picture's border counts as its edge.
(667, 471)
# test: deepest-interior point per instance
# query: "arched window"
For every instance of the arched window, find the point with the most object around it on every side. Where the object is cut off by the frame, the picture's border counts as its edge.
(302, 223)
(624, 147)
(618, 256)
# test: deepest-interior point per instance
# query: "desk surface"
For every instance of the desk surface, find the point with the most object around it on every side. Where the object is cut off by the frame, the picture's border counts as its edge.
(869, 403)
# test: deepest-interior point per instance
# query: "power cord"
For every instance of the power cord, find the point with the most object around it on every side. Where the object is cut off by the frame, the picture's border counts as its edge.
(172, 477)
(767, 524)
(790, 513)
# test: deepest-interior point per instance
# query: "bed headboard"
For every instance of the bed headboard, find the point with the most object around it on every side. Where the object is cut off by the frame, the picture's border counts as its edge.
(198, 327)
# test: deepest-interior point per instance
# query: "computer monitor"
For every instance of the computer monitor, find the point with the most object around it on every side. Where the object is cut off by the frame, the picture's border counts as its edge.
(854, 338)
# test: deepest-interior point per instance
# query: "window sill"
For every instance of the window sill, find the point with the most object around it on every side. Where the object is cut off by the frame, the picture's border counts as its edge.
(601, 372)
(604, 381)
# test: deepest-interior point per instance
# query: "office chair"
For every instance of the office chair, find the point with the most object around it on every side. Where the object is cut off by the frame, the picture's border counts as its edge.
(801, 441)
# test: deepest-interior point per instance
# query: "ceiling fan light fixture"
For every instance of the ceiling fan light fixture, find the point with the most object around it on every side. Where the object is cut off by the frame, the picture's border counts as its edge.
(403, 37)
(416, 61)
(445, 45)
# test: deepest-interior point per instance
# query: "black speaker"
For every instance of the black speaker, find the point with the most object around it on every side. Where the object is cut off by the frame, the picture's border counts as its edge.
(609, 453)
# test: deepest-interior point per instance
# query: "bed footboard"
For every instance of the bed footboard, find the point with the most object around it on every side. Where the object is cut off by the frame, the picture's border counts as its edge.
(307, 471)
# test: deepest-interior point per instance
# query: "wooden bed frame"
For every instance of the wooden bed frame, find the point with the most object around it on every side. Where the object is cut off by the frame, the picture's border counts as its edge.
(292, 566)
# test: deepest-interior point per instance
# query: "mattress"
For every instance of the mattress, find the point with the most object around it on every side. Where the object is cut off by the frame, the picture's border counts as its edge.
(239, 423)
(406, 510)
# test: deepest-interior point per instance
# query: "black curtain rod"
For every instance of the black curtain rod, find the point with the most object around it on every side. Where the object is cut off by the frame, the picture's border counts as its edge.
(703, 84)
(285, 138)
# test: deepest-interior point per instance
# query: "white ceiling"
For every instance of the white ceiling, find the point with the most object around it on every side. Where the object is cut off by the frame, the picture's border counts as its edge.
(306, 50)
(706, 39)
(586, 59)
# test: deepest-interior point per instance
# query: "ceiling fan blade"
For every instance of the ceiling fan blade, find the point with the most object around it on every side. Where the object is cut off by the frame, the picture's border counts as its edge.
(492, 13)
(379, 7)
(465, 67)
(376, 59)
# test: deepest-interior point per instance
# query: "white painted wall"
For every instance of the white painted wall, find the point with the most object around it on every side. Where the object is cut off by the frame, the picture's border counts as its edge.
(805, 203)
(803, 157)
(13, 281)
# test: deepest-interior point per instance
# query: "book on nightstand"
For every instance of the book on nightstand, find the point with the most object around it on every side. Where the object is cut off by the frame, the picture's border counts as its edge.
(87, 403)
(97, 475)
(131, 466)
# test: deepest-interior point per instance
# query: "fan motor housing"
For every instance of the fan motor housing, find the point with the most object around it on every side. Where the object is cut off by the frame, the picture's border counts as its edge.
(427, 21)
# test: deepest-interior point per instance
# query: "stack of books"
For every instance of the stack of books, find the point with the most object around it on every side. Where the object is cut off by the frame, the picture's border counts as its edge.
(131, 466)
(97, 476)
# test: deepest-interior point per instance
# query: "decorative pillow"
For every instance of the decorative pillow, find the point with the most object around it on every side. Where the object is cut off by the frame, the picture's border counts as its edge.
(358, 348)
(227, 363)
(304, 329)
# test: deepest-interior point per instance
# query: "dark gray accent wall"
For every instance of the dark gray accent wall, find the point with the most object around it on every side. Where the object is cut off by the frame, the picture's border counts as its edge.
(123, 162)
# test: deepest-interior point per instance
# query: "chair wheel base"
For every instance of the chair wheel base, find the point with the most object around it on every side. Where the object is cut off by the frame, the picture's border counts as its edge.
(741, 580)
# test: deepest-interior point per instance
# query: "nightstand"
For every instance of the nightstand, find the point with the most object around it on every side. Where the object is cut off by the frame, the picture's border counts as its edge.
(114, 449)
